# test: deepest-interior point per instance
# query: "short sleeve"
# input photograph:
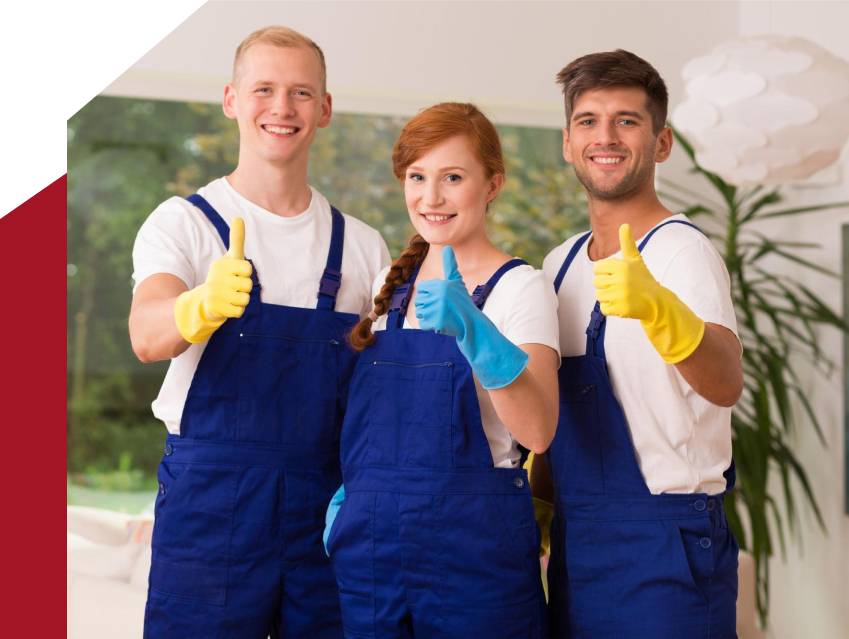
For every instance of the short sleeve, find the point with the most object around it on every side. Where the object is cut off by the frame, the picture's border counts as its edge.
(167, 243)
(697, 275)
(524, 307)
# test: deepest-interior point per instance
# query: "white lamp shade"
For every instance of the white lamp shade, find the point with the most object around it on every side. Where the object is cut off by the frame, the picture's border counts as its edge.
(766, 109)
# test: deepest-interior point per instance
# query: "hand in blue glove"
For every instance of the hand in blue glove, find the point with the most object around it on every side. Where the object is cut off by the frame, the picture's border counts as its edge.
(445, 306)
(332, 510)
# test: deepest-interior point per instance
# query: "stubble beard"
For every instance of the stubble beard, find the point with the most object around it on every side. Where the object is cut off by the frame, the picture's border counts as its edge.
(630, 184)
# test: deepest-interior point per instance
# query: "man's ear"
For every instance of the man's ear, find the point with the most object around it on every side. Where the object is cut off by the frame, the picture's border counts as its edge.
(567, 152)
(326, 110)
(228, 104)
(663, 147)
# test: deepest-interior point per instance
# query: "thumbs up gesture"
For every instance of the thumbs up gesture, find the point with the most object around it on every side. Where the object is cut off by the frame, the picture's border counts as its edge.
(626, 288)
(445, 306)
(223, 295)
(229, 279)
(439, 303)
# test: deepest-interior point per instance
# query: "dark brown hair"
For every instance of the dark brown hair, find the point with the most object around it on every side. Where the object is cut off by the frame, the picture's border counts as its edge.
(618, 68)
(428, 129)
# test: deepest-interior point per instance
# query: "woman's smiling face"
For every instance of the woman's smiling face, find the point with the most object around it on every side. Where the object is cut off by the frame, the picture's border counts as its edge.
(447, 192)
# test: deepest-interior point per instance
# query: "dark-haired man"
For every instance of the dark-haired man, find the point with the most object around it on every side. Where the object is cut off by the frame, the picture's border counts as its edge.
(642, 456)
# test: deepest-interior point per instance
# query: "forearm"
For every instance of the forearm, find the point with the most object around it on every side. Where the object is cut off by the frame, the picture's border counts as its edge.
(528, 407)
(153, 331)
(715, 369)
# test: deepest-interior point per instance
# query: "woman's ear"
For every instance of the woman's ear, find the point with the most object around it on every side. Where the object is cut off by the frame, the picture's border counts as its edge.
(495, 184)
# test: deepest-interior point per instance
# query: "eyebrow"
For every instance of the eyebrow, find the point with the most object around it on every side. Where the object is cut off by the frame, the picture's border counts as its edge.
(632, 114)
(444, 168)
(299, 85)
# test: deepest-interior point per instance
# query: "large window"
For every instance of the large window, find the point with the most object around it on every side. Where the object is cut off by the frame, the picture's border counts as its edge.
(125, 156)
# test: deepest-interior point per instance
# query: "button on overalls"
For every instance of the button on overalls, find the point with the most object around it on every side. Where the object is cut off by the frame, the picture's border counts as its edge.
(237, 537)
(431, 540)
(627, 564)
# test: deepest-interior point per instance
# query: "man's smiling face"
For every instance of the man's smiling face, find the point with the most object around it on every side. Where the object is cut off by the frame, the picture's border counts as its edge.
(611, 142)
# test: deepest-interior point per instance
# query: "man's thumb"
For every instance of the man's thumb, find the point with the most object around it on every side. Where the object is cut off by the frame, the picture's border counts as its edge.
(237, 239)
(626, 242)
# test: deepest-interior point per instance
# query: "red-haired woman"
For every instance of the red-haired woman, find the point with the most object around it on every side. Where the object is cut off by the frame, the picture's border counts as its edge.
(436, 535)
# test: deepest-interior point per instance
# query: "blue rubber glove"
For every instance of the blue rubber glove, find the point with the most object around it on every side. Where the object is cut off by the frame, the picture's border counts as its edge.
(445, 306)
(332, 510)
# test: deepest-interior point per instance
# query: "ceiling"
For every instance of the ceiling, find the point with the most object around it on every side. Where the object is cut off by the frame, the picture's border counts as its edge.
(397, 57)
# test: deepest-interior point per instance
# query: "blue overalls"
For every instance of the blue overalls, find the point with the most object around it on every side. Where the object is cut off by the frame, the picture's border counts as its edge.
(627, 564)
(237, 549)
(431, 540)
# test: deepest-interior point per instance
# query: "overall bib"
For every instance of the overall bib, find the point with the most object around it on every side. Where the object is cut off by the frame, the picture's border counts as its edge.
(431, 540)
(237, 547)
(627, 564)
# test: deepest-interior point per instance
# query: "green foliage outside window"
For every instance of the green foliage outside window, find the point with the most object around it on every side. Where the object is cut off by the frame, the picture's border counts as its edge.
(125, 156)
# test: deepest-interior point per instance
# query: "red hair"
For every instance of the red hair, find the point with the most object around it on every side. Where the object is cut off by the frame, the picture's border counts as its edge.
(438, 123)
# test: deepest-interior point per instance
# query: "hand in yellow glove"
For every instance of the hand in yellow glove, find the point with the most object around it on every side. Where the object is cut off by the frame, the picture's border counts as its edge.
(543, 513)
(203, 309)
(626, 288)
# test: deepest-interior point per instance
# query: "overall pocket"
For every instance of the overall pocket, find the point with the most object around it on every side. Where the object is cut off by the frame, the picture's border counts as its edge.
(409, 422)
(576, 452)
(192, 529)
(289, 391)
(695, 546)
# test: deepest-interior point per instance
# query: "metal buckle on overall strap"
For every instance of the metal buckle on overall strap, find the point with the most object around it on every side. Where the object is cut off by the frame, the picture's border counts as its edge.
(399, 300)
(330, 282)
(480, 294)
(596, 320)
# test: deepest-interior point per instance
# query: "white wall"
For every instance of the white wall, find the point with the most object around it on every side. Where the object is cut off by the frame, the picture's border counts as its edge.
(809, 590)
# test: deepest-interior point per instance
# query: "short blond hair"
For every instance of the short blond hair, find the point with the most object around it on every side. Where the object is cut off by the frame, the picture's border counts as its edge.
(285, 38)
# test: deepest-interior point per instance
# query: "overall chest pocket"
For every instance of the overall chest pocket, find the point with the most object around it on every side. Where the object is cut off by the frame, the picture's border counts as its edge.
(577, 446)
(409, 422)
(289, 391)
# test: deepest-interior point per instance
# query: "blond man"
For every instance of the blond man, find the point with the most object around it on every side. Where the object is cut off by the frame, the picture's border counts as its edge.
(248, 287)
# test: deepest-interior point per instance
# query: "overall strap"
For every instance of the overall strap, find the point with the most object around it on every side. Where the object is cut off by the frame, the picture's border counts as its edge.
(482, 291)
(598, 325)
(401, 297)
(331, 279)
(660, 226)
(400, 301)
(479, 297)
(213, 216)
(570, 257)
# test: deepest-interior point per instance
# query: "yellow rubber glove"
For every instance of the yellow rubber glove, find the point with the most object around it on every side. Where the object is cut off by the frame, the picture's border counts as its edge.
(544, 513)
(203, 309)
(626, 288)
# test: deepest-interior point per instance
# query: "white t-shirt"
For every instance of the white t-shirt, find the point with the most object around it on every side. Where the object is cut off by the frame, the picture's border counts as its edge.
(289, 254)
(524, 309)
(682, 441)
